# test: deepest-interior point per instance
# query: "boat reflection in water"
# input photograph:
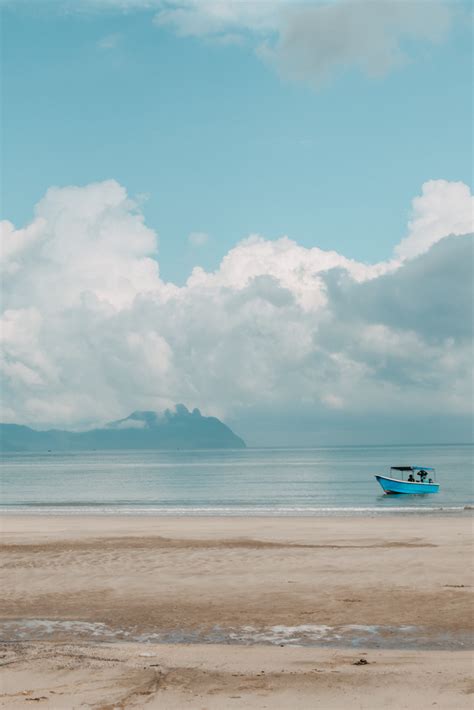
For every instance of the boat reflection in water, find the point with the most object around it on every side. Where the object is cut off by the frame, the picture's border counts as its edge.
(409, 479)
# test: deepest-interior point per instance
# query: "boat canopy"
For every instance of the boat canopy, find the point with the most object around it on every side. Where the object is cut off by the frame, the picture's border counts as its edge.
(411, 468)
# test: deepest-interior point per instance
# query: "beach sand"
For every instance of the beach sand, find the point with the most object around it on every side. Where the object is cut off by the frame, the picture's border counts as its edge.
(221, 677)
(187, 575)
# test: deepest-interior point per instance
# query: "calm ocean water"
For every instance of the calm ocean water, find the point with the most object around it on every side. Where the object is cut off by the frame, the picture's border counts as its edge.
(322, 481)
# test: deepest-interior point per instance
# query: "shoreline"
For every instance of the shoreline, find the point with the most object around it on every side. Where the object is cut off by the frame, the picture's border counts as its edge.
(232, 512)
(464, 511)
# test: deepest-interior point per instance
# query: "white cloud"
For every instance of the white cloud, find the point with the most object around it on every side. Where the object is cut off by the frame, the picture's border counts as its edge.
(308, 41)
(130, 424)
(109, 41)
(311, 41)
(443, 208)
(317, 40)
(95, 237)
(198, 239)
(90, 331)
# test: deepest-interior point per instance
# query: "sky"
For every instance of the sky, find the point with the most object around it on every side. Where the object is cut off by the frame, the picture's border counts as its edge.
(256, 208)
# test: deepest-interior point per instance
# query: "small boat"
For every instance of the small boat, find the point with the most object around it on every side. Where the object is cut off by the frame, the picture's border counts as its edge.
(409, 479)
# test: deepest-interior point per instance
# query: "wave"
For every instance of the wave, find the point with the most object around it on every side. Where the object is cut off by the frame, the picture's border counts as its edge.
(74, 508)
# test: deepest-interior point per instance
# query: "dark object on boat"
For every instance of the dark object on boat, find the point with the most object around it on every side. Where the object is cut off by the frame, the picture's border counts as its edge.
(361, 662)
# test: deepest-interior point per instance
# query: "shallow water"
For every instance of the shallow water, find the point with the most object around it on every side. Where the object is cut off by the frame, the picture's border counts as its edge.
(324, 481)
(349, 635)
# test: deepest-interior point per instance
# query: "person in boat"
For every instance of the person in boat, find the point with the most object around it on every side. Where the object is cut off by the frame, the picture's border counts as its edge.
(411, 479)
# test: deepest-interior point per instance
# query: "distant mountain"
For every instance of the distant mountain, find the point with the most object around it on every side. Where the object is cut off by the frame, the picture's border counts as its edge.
(180, 429)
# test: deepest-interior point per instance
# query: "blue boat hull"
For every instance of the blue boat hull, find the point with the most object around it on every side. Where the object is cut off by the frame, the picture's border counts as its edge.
(393, 485)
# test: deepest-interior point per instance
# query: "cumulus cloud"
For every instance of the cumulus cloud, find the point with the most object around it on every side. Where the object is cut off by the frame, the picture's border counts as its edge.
(94, 236)
(442, 208)
(430, 295)
(91, 332)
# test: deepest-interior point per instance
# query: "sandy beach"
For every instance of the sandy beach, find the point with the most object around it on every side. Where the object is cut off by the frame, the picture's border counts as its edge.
(252, 580)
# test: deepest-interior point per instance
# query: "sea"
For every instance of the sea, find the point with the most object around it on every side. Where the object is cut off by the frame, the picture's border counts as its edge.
(249, 482)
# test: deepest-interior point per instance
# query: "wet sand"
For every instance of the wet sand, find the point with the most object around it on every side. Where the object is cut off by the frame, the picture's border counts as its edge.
(187, 575)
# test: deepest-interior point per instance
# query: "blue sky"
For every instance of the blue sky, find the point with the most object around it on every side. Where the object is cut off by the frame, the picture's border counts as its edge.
(218, 141)
(143, 142)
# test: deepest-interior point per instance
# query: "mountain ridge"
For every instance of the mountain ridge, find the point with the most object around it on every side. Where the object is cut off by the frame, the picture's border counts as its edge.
(179, 429)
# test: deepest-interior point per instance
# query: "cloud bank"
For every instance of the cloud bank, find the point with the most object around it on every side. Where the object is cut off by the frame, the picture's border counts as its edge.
(91, 332)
